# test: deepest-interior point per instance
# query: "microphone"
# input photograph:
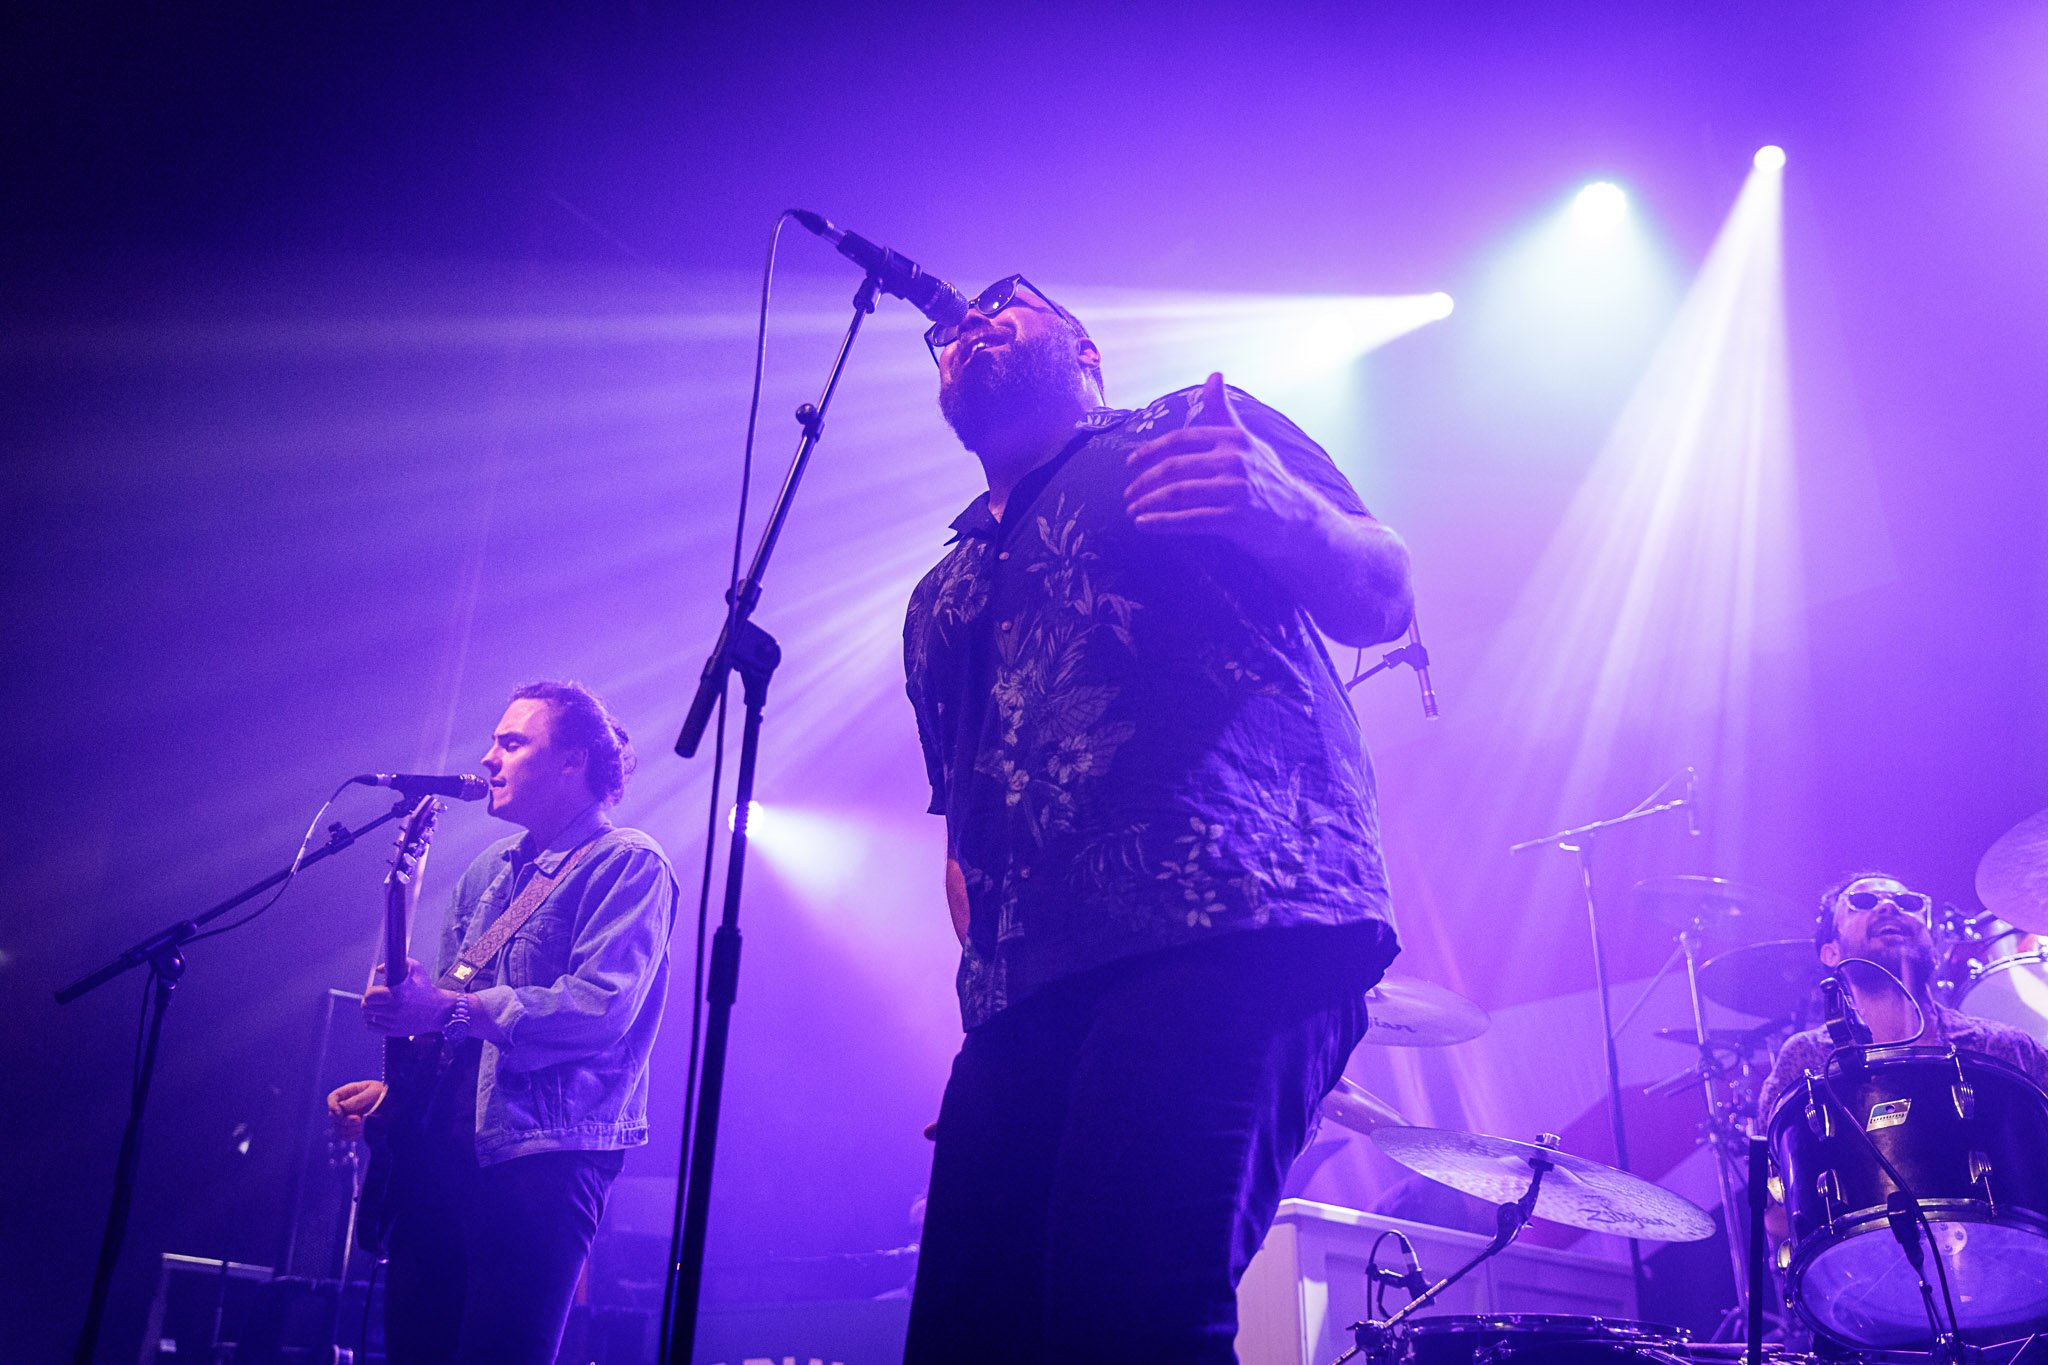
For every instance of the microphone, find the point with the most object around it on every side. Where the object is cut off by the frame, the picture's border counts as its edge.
(1845, 1026)
(1412, 1281)
(893, 273)
(463, 786)
(1692, 800)
(1418, 659)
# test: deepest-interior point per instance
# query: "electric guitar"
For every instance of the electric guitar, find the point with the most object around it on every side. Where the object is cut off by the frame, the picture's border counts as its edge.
(410, 1064)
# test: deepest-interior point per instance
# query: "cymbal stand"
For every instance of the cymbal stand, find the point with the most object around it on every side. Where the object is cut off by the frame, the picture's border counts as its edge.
(1579, 840)
(1379, 1341)
(1721, 1133)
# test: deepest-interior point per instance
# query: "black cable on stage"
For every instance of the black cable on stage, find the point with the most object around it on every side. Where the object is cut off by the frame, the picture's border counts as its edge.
(291, 874)
(732, 602)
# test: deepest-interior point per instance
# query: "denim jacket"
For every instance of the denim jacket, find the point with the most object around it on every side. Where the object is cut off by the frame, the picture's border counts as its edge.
(578, 990)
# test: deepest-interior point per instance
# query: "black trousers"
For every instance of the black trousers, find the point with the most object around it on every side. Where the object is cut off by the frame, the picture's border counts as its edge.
(484, 1260)
(1110, 1152)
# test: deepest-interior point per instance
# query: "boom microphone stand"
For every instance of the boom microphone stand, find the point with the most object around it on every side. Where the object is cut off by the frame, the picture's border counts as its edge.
(1579, 840)
(746, 647)
(163, 951)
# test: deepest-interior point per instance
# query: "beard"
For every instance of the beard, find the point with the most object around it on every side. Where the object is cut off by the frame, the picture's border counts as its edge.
(1024, 386)
(1911, 960)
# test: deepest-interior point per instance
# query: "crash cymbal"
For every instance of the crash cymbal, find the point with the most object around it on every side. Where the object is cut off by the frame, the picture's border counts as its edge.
(1358, 1109)
(1769, 980)
(1404, 1011)
(1728, 909)
(1577, 1192)
(2012, 877)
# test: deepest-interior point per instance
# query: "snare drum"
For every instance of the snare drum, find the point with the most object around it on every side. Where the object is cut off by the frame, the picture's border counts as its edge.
(2012, 990)
(1540, 1339)
(1970, 1137)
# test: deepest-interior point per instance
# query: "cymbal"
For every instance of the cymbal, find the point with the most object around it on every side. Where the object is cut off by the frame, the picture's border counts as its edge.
(1406, 1011)
(2012, 877)
(1718, 905)
(1358, 1109)
(1769, 980)
(1578, 1192)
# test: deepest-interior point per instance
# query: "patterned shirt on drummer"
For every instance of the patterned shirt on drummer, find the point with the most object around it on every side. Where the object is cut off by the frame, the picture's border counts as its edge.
(1809, 1052)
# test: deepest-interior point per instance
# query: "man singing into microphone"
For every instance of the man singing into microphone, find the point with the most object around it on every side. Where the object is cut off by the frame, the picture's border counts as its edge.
(500, 1184)
(1163, 844)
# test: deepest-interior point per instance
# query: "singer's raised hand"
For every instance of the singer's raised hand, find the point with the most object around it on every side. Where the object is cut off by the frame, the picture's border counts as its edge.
(1217, 477)
(1214, 477)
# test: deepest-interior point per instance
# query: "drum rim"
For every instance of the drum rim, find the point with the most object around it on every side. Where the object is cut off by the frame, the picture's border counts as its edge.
(1633, 1329)
(1893, 1055)
(2032, 956)
(1815, 1243)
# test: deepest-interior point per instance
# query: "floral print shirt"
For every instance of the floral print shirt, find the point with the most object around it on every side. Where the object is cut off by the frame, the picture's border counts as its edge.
(1809, 1052)
(1137, 741)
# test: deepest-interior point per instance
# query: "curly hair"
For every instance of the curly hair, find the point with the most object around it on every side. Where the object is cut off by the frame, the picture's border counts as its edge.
(1824, 931)
(581, 720)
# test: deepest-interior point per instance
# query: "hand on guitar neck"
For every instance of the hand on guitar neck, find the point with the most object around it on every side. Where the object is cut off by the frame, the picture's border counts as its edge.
(413, 1007)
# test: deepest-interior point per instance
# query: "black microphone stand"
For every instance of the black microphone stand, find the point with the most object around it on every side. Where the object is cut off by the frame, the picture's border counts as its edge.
(163, 951)
(744, 646)
(1579, 840)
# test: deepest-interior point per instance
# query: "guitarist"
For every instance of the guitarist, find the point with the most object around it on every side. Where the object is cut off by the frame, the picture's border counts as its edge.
(502, 1155)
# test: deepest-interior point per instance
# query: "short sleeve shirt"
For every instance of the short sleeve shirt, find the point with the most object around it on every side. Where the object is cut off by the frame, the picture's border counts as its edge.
(1137, 740)
(1809, 1052)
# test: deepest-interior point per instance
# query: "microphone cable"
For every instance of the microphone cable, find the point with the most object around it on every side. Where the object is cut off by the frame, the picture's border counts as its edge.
(732, 603)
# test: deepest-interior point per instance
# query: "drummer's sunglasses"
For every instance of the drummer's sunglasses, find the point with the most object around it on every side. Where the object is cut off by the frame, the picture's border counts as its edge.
(1909, 902)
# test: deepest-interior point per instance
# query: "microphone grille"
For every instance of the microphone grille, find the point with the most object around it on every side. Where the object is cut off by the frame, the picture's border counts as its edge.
(474, 788)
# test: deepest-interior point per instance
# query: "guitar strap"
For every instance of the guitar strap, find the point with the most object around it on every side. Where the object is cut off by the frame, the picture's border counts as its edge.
(458, 976)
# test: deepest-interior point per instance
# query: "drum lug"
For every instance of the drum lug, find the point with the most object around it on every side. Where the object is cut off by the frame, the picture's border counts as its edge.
(1965, 1096)
(1817, 1117)
(1980, 1176)
(1829, 1188)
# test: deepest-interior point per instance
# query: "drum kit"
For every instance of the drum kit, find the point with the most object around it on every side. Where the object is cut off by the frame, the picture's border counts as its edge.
(1892, 1152)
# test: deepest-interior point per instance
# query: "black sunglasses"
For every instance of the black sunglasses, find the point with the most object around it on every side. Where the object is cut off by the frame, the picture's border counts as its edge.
(988, 303)
(1909, 902)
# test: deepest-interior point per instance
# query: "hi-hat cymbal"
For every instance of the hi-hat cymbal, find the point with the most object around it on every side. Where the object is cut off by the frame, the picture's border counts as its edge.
(1576, 1192)
(1719, 906)
(2012, 877)
(1404, 1011)
(1769, 980)
(1358, 1109)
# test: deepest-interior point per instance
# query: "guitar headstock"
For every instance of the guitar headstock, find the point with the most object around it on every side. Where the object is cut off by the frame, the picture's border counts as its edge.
(413, 838)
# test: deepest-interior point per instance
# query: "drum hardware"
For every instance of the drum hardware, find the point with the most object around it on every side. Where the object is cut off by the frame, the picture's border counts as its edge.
(1406, 1011)
(1579, 841)
(1963, 1120)
(1730, 1062)
(2012, 876)
(1358, 1109)
(1584, 1193)
(2012, 989)
(1380, 1342)
(1581, 1193)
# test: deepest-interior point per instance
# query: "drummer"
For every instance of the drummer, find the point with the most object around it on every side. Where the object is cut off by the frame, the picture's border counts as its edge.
(1874, 915)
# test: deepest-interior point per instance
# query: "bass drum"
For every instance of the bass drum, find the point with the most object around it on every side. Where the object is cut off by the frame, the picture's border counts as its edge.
(2012, 990)
(1970, 1137)
(1540, 1339)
